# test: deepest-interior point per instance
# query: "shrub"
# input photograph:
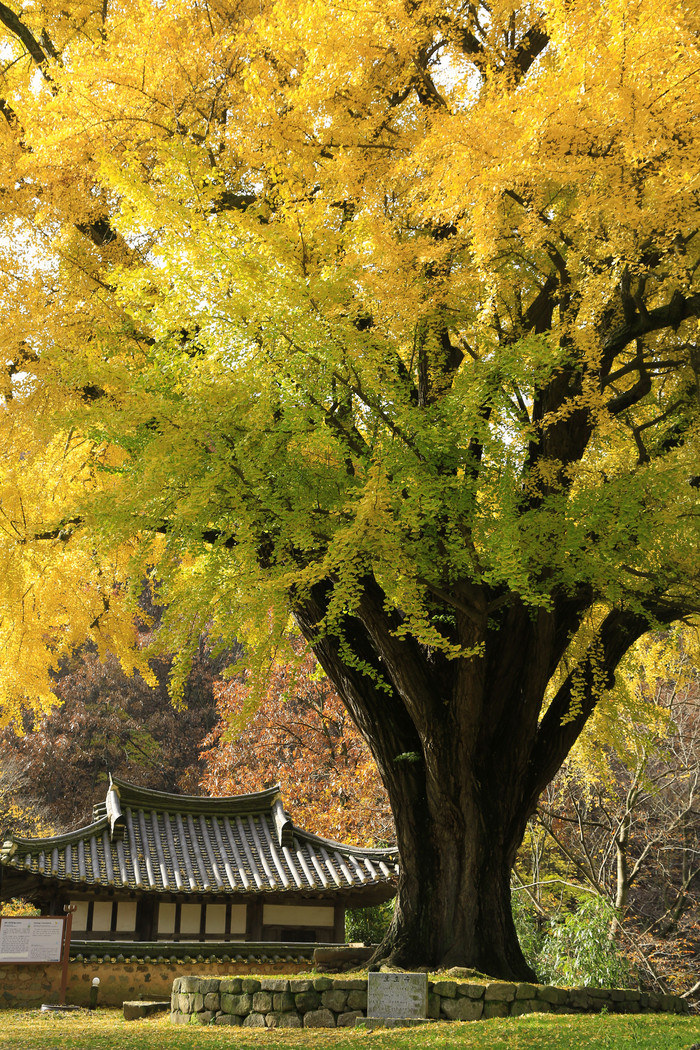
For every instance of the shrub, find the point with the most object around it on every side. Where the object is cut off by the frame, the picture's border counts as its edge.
(368, 924)
(576, 949)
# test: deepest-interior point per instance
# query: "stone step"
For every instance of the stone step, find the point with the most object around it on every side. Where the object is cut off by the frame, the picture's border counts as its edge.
(136, 1009)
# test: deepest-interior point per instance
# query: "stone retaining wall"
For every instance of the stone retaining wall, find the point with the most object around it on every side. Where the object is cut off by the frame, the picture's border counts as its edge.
(324, 1002)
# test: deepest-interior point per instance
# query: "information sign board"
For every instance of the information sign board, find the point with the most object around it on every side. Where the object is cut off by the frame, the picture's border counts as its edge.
(31, 940)
(397, 995)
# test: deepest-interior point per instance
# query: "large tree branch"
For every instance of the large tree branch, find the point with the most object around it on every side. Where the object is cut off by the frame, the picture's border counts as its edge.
(517, 63)
(40, 53)
(409, 672)
(577, 697)
(378, 712)
(531, 46)
(678, 309)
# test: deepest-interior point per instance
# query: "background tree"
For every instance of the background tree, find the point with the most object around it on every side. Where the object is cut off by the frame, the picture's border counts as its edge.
(620, 821)
(111, 722)
(385, 316)
(299, 735)
(107, 723)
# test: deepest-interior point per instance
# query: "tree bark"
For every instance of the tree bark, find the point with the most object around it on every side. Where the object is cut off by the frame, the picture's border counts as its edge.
(453, 905)
(464, 752)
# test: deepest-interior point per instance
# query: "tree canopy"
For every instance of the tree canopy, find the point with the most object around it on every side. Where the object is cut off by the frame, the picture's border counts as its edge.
(384, 315)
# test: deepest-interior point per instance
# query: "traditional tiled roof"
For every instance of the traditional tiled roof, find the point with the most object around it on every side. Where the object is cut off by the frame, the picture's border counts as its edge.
(153, 841)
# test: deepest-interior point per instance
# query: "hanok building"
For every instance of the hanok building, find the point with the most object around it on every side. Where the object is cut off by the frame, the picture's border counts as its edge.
(167, 868)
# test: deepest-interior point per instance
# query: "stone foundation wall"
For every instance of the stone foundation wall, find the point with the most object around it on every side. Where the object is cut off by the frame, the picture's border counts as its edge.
(325, 1002)
(22, 986)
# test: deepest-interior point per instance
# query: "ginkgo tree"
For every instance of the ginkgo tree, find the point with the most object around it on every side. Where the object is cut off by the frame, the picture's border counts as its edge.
(382, 315)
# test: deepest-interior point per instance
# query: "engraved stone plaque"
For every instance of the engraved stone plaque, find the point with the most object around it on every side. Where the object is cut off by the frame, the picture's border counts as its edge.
(397, 995)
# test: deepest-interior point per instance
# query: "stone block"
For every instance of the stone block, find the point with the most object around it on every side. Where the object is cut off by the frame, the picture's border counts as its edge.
(462, 1009)
(230, 986)
(209, 984)
(617, 995)
(237, 1004)
(578, 998)
(319, 1019)
(549, 994)
(228, 1019)
(471, 990)
(300, 985)
(185, 1003)
(355, 984)
(189, 984)
(348, 1019)
(254, 1020)
(283, 1019)
(322, 984)
(434, 1002)
(495, 1008)
(334, 999)
(397, 994)
(307, 1001)
(632, 995)
(177, 1017)
(372, 1024)
(133, 1011)
(526, 991)
(446, 989)
(205, 1016)
(250, 985)
(274, 984)
(262, 1002)
(197, 1003)
(283, 1001)
(357, 999)
(526, 1006)
(176, 984)
(499, 991)
(212, 1001)
(341, 957)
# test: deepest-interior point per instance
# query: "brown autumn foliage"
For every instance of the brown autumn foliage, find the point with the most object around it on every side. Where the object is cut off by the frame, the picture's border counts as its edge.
(301, 736)
(108, 722)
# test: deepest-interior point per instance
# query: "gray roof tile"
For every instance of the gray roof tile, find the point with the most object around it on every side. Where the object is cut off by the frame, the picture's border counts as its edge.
(163, 843)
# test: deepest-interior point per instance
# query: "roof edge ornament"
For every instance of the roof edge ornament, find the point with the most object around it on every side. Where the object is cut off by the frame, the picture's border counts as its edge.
(283, 824)
(117, 821)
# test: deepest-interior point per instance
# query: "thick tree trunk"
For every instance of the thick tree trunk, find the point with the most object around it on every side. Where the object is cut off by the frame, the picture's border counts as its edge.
(453, 906)
(464, 756)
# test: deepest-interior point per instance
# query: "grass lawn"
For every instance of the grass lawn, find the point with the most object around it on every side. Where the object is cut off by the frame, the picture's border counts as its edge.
(107, 1030)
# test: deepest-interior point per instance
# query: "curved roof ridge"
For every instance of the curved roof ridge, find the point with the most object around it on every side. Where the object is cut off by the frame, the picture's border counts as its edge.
(133, 793)
(30, 844)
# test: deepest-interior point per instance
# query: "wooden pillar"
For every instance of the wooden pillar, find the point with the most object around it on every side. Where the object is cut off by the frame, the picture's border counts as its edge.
(254, 920)
(339, 923)
(145, 919)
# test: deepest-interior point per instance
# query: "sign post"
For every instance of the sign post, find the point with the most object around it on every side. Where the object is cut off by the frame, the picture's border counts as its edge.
(69, 909)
